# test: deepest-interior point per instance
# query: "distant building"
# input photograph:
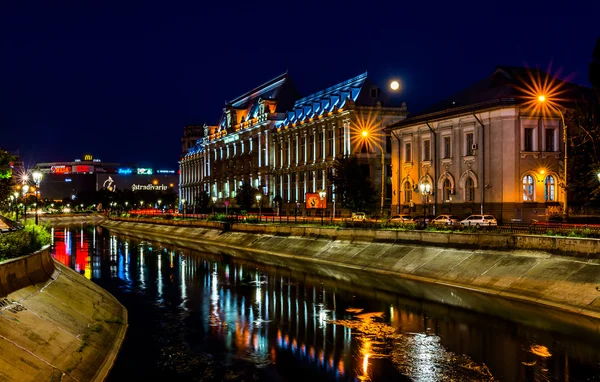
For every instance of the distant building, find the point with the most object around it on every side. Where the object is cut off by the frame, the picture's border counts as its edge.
(285, 145)
(62, 180)
(486, 149)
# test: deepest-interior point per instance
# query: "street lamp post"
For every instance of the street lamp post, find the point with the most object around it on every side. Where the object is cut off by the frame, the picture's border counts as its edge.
(16, 194)
(322, 195)
(258, 199)
(183, 208)
(25, 190)
(37, 178)
(542, 99)
(425, 188)
(214, 200)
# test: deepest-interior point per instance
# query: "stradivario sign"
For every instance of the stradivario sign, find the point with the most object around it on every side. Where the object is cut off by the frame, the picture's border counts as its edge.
(148, 187)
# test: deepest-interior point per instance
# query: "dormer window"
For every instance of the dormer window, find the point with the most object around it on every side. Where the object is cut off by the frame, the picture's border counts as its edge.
(375, 92)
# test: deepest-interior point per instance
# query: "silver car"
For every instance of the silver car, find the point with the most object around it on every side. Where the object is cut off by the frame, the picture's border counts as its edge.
(479, 221)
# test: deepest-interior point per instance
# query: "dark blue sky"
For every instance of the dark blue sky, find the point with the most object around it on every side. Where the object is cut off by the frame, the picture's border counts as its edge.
(121, 79)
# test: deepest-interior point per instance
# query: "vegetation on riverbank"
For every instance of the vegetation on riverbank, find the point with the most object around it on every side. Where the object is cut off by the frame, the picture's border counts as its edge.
(24, 242)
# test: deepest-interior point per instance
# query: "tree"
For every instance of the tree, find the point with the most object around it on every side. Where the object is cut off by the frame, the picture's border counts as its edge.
(353, 187)
(246, 196)
(202, 199)
(6, 179)
(584, 142)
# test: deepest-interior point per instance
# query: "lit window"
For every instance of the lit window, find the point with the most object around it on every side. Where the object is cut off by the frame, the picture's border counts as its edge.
(549, 189)
(470, 190)
(407, 192)
(528, 188)
(447, 189)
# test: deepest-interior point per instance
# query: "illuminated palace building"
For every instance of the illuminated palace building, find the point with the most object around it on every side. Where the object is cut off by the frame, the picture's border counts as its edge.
(285, 145)
(62, 180)
(495, 147)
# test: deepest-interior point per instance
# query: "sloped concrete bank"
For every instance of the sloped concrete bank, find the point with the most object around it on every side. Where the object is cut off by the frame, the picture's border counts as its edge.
(567, 283)
(55, 325)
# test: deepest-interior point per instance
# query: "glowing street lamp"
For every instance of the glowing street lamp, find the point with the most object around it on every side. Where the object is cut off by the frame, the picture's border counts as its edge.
(322, 195)
(214, 200)
(371, 140)
(258, 198)
(425, 188)
(37, 178)
(542, 99)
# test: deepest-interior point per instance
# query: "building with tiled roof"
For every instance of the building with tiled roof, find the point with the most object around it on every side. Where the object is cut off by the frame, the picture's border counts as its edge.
(284, 145)
(491, 148)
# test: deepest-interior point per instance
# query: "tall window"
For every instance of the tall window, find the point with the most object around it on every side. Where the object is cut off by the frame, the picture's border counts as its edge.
(388, 144)
(528, 140)
(447, 186)
(550, 140)
(549, 189)
(447, 151)
(340, 146)
(301, 153)
(286, 147)
(407, 153)
(320, 146)
(330, 142)
(407, 192)
(469, 190)
(469, 143)
(278, 155)
(311, 147)
(528, 188)
(427, 150)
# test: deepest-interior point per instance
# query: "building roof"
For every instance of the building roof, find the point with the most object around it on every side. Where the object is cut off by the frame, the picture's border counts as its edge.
(335, 97)
(506, 86)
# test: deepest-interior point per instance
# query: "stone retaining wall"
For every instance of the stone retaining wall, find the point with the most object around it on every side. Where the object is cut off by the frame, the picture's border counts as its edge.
(54, 323)
(567, 283)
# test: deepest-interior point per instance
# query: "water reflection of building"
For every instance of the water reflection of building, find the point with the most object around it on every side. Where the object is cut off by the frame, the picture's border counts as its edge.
(273, 317)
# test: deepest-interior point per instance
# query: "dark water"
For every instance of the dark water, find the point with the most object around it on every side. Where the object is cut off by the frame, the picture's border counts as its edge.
(197, 317)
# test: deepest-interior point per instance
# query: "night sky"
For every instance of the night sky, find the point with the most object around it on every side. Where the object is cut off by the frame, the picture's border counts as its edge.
(121, 79)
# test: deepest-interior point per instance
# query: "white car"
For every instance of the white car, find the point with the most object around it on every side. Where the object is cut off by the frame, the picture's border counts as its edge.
(449, 220)
(479, 221)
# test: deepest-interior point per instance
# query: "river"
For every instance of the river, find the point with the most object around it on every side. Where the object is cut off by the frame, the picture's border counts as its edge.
(199, 317)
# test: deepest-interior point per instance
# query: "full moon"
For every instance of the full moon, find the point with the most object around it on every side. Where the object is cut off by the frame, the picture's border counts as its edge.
(394, 85)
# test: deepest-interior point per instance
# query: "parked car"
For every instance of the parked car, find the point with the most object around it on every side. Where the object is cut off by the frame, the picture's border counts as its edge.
(423, 219)
(359, 216)
(401, 219)
(448, 220)
(479, 220)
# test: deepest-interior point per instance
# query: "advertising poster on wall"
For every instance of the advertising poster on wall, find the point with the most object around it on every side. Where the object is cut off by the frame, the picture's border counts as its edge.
(314, 201)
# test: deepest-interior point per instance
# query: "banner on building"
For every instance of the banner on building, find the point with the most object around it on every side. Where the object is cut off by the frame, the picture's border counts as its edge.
(314, 201)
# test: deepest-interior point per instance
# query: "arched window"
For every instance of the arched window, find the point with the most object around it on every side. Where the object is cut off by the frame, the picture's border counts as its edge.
(407, 192)
(528, 188)
(447, 190)
(469, 190)
(549, 189)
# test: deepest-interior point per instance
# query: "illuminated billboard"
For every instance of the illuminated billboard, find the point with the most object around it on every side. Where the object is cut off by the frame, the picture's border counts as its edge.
(165, 171)
(83, 168)
(144, 171)
(60, 169)
(125, 171)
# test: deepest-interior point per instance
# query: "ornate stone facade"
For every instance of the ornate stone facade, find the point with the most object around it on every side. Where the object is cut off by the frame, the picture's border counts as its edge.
(284, 145)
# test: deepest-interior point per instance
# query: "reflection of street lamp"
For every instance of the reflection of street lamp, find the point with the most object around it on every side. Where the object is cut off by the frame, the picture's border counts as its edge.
(543, 100)
(258, 198)
(214, 200)
(322, 195)
(37, 178)
(425, 188)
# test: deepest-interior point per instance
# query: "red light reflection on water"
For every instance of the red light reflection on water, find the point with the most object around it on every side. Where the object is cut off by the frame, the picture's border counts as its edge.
(64, 246)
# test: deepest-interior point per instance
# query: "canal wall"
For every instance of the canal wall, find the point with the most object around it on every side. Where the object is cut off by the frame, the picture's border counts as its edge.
(533, 275)
(55, 325)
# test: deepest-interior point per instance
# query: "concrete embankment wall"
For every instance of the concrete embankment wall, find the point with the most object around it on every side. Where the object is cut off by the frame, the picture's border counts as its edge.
(567, 283)
(54, 323)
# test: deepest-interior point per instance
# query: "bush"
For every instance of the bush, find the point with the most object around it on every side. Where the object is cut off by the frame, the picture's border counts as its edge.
(24, 242)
